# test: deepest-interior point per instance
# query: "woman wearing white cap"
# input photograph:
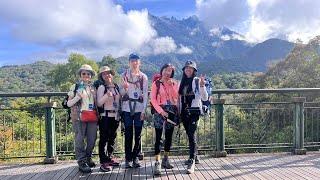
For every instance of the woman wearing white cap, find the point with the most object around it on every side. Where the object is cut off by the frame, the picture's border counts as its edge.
(82, 100)
(108, 96)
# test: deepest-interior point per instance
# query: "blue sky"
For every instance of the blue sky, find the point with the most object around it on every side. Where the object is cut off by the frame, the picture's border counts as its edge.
(176, 8)
(50, 30)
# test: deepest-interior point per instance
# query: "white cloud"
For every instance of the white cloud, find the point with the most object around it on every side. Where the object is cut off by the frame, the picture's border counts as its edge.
(259, 20)
(184, 50)
(222, 12)
(99, 27)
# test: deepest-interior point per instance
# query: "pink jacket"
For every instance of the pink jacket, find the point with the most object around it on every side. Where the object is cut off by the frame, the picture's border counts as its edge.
(167, 91)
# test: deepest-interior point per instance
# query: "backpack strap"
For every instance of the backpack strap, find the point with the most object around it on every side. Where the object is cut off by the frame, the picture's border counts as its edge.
(158, 83)
(76, 87)
(196, 80)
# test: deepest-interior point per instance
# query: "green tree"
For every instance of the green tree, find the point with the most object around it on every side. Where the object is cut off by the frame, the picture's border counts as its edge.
(64, 75)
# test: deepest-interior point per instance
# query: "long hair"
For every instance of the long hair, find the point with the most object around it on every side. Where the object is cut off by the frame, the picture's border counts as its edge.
(186, 81)
(165, 66)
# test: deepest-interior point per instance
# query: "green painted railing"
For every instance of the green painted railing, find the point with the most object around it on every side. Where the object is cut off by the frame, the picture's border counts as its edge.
(243, 120)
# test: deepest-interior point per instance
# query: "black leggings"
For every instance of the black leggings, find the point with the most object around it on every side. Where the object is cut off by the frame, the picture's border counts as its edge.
(108, 132)
(167, 142)
(190, 124)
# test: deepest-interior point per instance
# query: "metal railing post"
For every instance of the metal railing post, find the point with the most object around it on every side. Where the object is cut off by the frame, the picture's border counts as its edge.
(220, 136)
(298, 143)
(51, 157)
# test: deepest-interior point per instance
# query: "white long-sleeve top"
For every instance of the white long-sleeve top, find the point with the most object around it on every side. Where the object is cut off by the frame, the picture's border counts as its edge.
(201, 95)
(135, 88)
(89, 96)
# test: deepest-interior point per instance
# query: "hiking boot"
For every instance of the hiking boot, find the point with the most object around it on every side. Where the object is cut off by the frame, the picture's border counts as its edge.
(166, 163)
(191, 165)
(90, 162)
(105, 167)
(136, 163)
(114, 162)
(127, 164)
(83, 167)
(157, 168)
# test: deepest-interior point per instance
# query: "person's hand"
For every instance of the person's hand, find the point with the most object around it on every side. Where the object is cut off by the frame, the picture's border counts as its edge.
(125, 84)
(110, 94)
(202, 81)
(142, 116)
(164, 114)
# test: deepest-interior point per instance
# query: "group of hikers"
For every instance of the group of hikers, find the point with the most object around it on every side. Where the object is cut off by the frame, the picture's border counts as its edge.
(102, 106)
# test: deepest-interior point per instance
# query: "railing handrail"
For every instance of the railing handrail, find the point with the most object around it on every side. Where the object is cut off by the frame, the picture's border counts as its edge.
(217, 91)
(279, 90)
(33, 94)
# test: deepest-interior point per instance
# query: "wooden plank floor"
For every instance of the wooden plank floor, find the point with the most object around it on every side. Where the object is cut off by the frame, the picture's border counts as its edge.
(239, 166)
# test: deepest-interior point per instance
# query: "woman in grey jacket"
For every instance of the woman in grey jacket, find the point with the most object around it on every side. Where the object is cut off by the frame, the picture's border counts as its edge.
(191, 91)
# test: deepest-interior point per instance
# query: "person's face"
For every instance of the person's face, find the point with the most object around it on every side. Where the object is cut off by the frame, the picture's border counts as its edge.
(166, 72)
(107, 76)
(85, 76)
(188, 71)
(134, 63)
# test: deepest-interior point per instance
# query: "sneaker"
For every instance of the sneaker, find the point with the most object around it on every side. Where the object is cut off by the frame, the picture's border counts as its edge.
(90, 162)
(114, 162)
(83, 167)
(105, 167)
(136, 163)
(127, 164)
(190, 168)
(196, 160)
(157, 168)
(166, 163)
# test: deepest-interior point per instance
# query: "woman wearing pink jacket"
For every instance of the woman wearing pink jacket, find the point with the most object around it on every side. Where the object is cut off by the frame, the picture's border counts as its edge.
(164, 99)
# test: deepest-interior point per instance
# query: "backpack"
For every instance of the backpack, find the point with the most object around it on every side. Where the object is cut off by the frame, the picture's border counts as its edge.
(206, 105)
(65, 101)
(156, 78)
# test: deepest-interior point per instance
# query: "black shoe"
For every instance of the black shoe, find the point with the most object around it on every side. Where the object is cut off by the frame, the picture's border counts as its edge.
(90, 162)
(83, 167)
(136, 163)
(141, 156)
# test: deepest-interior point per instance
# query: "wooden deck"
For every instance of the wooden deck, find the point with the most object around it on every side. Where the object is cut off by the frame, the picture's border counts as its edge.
(244, 166)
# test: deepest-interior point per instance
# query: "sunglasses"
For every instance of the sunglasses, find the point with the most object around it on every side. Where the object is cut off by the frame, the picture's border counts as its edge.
(85, 73)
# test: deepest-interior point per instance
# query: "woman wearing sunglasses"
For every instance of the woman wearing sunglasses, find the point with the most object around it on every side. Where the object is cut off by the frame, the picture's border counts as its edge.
(82, 100)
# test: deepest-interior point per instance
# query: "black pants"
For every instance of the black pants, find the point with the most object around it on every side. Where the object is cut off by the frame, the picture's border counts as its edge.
(130, 122)
(190, 125)
(108, 132)
(167, 142)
